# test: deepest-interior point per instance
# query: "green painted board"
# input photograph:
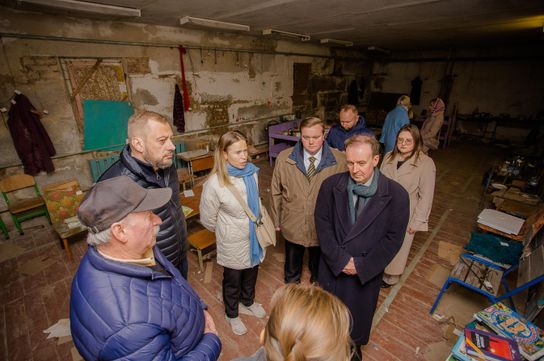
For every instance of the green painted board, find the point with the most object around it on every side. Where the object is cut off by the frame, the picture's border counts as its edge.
(105, 124)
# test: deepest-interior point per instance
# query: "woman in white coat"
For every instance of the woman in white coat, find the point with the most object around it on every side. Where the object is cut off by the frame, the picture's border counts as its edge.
(416, 172)
(238, 249)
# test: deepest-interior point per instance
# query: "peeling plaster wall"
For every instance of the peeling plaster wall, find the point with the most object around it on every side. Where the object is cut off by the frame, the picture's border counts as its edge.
(227, 89)
(494, 86)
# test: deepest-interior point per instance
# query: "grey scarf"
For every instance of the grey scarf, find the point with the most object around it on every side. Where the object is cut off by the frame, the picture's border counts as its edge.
(362, 192)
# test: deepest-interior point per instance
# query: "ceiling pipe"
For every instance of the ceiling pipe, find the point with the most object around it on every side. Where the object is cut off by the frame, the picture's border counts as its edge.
(172, 45)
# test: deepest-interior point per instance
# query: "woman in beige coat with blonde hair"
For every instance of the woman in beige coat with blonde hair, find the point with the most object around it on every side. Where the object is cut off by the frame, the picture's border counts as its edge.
(416, 172)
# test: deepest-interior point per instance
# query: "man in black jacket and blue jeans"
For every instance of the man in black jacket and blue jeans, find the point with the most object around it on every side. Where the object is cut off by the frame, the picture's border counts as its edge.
(148, 160)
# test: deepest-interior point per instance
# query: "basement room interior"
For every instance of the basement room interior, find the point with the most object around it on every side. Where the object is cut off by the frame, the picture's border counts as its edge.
(452, 92)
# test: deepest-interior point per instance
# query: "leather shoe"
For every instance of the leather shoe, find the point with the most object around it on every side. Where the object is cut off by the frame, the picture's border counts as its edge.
(385, 284)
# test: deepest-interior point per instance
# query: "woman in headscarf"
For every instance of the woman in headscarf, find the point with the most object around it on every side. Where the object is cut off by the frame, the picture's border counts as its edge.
(238, 249)
(430, 129)
(394, 120)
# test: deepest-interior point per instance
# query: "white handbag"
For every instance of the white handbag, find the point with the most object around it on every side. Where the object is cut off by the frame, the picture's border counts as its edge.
(264, 227)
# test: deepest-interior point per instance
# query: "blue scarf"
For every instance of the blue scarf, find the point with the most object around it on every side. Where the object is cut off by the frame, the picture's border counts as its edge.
(246, 173)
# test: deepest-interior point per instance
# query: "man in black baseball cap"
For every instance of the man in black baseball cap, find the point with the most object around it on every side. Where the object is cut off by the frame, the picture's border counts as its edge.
(124, 286)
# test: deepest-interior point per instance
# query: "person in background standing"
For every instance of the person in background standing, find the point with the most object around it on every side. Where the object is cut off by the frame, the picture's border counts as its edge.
(430, 130)
(238, 249)
(351, 123)
(394, 120)
(297, 177)
(416, 172)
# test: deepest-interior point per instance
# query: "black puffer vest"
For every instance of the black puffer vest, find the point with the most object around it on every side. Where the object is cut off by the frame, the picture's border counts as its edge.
(172, 237)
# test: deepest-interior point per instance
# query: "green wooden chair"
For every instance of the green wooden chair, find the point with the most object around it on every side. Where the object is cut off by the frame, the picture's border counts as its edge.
(100, 165)
(178, 162)
(22, 209)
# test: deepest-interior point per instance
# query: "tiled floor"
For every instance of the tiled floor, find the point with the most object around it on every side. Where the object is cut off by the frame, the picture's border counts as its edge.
(403, 328)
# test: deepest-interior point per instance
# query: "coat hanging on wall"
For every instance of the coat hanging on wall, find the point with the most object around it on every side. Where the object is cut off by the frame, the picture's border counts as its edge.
(415, 94)
(178, 116)
(353, 93)
(30, 138)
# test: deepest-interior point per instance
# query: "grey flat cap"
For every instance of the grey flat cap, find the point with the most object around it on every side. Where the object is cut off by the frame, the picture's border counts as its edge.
(113, 199)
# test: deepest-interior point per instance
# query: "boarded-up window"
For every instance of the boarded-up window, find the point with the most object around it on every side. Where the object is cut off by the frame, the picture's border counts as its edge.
(94, 79)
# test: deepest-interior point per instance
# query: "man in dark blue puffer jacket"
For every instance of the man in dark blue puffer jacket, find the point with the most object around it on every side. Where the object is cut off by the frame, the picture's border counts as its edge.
(128, 302)
(351, 123)
(148, 160)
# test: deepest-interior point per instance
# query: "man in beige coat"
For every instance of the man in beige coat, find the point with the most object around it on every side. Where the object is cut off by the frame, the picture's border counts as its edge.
(298, 174)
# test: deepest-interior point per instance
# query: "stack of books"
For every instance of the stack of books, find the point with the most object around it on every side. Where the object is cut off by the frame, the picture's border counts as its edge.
(499, 334)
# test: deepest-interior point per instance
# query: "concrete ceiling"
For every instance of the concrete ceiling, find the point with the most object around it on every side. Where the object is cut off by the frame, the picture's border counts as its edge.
(390, 24)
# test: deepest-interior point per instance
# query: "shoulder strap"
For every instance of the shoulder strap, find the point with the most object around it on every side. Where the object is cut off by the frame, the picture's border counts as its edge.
(243, 203)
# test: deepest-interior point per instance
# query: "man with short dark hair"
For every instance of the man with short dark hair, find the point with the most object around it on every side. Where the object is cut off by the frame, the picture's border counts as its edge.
(148, 160)
(297, 177)
(351, 123)
(361, 217)
(128, 301)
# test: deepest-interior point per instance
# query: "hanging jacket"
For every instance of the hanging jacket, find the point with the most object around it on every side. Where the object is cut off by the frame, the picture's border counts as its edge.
(172, 236)
(178, 115)
(31, 141)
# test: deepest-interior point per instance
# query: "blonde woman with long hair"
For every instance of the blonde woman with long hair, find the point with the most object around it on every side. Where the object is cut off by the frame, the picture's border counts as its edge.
(306, 323)
(238, 249)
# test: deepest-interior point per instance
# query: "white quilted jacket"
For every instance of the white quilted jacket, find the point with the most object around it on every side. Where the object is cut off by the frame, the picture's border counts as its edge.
(221, 213)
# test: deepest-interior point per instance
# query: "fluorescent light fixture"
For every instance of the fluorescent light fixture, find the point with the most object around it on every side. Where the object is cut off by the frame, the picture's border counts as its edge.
(287, 34)
(186, 20)
(87, 7)
(336, 41)
(378, 49)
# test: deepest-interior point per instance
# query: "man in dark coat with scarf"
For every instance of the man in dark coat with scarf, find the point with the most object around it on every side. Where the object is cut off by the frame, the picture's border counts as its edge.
(361, 217)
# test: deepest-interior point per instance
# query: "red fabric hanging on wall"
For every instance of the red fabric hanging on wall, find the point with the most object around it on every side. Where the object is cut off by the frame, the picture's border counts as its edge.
(186, 101)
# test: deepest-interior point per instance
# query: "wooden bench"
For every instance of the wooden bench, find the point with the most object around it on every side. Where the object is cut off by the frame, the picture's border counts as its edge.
(200, 241)
(257, 152)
